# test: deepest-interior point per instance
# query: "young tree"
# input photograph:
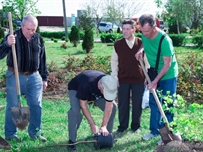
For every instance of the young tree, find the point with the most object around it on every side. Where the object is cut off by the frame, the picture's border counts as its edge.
(74, 35)
(19, 8)
(88, 42)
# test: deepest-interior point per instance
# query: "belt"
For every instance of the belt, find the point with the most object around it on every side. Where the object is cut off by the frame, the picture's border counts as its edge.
(20, 72)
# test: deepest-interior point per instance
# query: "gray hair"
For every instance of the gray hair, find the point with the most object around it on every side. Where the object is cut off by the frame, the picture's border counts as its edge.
(29, 18)
(147, 19)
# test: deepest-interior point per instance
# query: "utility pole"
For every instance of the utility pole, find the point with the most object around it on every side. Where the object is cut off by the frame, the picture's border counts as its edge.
(64, 18)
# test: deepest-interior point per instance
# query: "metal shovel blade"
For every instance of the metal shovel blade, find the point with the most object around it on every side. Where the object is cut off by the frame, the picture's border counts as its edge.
(4, 144)
(167, 135)
(20, 116)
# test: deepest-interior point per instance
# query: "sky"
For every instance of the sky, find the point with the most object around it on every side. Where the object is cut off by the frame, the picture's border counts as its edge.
(55, 7)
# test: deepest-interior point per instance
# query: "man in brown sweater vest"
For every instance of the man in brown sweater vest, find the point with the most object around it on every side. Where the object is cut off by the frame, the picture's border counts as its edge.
(130, 77)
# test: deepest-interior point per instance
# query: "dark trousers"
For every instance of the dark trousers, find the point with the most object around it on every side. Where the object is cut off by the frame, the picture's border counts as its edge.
(124, 105)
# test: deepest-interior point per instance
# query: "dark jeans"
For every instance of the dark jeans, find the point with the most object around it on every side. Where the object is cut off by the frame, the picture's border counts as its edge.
(124, 105)
(155, 117)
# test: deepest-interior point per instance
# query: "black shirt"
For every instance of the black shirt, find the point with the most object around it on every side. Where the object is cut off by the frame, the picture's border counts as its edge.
(86, 85)
(30, 55)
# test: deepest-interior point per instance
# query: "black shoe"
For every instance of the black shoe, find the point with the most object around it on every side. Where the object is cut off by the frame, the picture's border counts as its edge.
(118, 131)
(43, 139)
(14, 139)
(71, 147)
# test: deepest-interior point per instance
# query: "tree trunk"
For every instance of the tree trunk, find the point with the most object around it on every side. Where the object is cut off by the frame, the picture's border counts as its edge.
(178, 28)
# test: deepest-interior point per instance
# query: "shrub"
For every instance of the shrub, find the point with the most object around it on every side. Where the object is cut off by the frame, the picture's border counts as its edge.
(88, 42)
(110, 37)
(53, 66)
(178, 39)
(198, 40)
(118, 30)
(74, 35)
(56, 35)
(63, 38)
(64, 45)
(190, 79)
(100, 63)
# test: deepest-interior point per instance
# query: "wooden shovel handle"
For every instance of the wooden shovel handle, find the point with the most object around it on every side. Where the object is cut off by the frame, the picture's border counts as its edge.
(14, 58)
(154, 92)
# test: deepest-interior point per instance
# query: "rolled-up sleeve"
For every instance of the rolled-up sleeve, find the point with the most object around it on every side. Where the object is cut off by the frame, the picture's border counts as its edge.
(114, 64)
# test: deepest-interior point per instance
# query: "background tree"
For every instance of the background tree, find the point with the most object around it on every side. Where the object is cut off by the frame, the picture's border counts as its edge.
(19, 8)
(88, 42)
(93, 10)
(117, 10)
(188, 13)
(85, 20)
(74, 36)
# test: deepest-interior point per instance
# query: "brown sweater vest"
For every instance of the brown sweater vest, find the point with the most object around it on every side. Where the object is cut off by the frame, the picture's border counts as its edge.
(129, 69)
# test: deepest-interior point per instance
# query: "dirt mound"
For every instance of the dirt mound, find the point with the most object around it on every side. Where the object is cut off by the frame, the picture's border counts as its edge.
(177, 146)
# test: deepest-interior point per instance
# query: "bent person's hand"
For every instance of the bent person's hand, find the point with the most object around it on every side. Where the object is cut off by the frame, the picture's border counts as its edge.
(104, 131)
(94, 129)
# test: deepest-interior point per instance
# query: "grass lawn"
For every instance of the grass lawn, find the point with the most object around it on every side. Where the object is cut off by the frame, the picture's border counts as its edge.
(54, 128)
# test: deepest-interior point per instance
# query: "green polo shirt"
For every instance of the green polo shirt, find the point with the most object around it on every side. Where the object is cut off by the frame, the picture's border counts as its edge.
(167, 49)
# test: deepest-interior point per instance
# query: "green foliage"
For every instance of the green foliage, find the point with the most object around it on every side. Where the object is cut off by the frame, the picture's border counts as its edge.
(190, 78)
(55, 40)
(118, 30)
(197, 40)
(74, 35)
(56, 35)
(2, 76)
(2, 33)
(86, 21)
(188, 118)
(63, 38)
(178, 39)
(110, 37)
(71, 62)
(20, 8)
(88, 42)
(101, 63)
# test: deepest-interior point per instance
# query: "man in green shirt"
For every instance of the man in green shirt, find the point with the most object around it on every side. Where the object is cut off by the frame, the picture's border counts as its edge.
(166, 80)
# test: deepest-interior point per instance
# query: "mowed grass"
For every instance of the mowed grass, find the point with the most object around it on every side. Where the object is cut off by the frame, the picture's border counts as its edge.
(55, 129)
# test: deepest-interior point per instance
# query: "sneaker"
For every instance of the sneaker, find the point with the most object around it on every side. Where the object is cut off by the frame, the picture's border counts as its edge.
(148, 136)
(2, 107)
(118, 131)
(160, 142)
(43, 139)
(71, 146)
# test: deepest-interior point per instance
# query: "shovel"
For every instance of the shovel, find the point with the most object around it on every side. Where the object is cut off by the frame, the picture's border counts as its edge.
(165, 132)
(20, 115)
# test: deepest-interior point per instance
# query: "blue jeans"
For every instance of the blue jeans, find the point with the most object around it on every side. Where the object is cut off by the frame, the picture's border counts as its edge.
(31, 86)
(155, 117)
